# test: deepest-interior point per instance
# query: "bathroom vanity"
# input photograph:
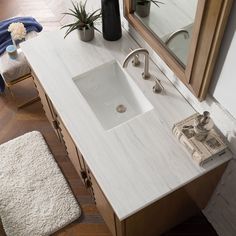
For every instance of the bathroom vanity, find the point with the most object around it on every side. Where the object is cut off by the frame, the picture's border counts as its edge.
(142, 180)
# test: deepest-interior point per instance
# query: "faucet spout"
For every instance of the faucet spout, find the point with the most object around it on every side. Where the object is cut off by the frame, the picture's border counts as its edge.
(136, 52)
(175, 33)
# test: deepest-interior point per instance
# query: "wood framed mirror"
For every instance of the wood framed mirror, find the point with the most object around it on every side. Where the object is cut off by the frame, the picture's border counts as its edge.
(206, 35)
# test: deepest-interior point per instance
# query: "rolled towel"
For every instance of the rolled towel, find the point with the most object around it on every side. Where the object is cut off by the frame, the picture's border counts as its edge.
(5, 37)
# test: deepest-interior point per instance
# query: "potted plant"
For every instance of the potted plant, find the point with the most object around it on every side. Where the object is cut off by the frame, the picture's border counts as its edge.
(143, 7)
(84, 22)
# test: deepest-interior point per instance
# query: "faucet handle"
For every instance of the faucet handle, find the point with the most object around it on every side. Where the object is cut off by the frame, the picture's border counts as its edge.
(158, 87)
(135, 61)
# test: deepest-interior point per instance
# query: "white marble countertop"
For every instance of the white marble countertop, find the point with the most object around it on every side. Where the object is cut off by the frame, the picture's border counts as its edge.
(136, 163)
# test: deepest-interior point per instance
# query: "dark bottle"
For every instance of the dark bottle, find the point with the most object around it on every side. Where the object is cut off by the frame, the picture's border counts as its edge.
(111, 26)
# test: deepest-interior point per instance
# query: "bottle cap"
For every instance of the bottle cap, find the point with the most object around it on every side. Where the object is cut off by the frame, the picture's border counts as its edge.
(12, 51)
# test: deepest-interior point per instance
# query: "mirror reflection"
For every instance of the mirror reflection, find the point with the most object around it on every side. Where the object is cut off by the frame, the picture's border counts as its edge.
(171, 21)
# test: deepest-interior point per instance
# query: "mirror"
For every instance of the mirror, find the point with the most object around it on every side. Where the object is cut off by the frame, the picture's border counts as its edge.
(186, 34)
(174, 32)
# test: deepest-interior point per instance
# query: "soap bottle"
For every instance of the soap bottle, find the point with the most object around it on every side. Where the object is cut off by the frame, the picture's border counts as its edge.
(111, 24)
(203, 125)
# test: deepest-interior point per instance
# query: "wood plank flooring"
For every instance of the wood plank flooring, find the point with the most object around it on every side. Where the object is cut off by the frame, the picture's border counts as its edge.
(14, 122)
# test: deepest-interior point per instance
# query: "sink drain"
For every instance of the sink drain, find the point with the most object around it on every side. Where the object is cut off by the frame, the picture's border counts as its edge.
(121, 108)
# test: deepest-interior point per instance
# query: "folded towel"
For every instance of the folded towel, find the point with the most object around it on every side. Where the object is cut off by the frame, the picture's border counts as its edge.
(5, 37)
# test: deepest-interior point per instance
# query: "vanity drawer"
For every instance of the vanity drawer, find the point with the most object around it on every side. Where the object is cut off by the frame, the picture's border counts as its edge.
(73, 153)
(103, 205)
(47, 106)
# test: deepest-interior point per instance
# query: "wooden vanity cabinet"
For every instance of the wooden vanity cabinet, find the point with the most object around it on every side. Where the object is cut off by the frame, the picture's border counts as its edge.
(102, 204)
(73, 152)
(153, 220)
(63, 135)
(47, 106)
(77, 159)
(163, 214)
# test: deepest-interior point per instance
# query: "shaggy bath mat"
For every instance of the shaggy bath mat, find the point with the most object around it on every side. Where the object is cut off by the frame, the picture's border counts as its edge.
(35, 198)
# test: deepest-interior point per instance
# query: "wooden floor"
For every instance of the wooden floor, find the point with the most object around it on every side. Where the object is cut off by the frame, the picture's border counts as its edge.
(14, 122)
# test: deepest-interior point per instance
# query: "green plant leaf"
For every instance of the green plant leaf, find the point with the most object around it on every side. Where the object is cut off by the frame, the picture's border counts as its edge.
(69, 25)
(157, 2)
(70, 29)
(93, 17)
(97, 29)
(70, 14)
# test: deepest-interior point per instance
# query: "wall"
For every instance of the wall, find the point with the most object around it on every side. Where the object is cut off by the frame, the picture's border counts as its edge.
(221, 210)
(224, 83)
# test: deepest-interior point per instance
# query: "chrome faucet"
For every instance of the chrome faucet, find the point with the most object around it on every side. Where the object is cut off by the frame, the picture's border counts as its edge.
(135, 61)
(180, 31)
(136, 52)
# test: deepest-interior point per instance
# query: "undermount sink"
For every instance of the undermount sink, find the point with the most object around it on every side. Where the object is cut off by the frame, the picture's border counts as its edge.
(112, 95)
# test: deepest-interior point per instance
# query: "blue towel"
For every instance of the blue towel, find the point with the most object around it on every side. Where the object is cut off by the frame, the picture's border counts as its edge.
(5, 38)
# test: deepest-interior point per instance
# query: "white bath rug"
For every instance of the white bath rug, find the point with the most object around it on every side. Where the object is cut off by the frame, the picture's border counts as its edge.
(35, 198)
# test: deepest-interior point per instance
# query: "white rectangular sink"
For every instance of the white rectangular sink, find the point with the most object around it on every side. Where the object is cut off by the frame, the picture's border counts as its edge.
(112, 95)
